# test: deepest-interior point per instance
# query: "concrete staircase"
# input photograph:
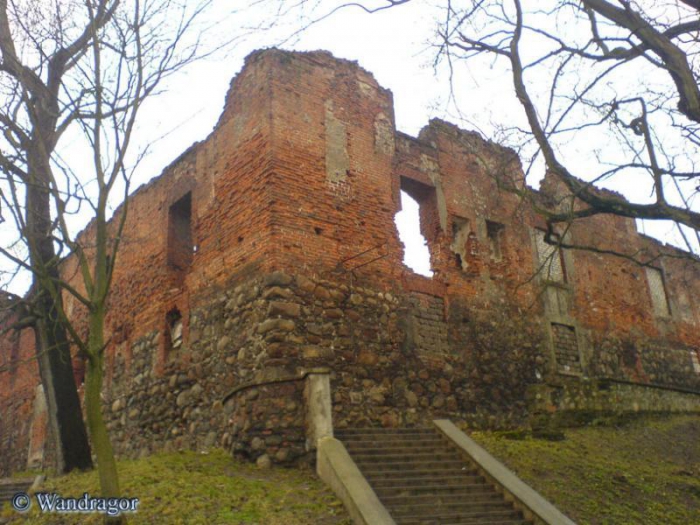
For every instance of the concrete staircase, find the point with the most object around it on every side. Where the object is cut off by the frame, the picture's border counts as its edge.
(422, 479)
(10, 486)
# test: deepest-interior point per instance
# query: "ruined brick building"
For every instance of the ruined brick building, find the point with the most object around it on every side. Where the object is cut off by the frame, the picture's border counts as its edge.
(268, 252)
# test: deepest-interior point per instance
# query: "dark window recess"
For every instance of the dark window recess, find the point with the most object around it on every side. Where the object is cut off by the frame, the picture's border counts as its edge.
(460, 238)
(495, 233)
(174, 329)
(566, 348)
(180, 246)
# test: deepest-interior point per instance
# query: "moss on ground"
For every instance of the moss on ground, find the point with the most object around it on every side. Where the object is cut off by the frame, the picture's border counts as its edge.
(646, 471)
(212, 488)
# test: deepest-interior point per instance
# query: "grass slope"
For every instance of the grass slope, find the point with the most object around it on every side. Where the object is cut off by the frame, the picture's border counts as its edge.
(643, 472)
(213, 488)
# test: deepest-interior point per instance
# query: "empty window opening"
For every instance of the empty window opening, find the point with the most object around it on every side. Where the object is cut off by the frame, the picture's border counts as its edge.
(174, 329)
(550, 265)
(659, 295)
(180, 246)
(408, 222)
(695, 358)
(495, 233)
(460, 238)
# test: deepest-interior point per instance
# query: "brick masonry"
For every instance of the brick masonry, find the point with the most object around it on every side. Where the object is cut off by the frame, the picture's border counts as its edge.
(269, 249)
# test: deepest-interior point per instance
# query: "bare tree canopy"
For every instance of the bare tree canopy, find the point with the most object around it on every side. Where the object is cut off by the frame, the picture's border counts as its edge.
(595, 73)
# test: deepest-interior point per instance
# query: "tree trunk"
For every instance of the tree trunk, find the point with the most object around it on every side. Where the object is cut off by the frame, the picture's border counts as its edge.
(106, 464)
(52, 347)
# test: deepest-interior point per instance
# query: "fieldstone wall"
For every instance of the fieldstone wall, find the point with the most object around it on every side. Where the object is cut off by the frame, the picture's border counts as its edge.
(426, 327)
(238, 379)
(643, 360)
(504, 353)
(577, 402)
(266, 422)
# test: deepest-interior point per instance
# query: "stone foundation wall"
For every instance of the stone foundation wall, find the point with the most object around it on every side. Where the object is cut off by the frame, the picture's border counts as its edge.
(575, 403)
(238, 379)
(267, 422)
(643, 360)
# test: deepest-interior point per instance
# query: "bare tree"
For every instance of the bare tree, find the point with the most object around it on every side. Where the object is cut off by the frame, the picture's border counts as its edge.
(615, 81)
(78, 71)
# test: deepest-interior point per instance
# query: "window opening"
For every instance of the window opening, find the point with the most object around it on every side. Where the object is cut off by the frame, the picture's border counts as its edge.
(180, 246)
(495, 233)
(174, 329)
(657, 288)
(408, 223)
(460, 238)
(695, 358)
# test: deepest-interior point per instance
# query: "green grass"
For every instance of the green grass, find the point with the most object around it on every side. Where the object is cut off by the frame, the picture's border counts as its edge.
(643, 472)
(213, 488)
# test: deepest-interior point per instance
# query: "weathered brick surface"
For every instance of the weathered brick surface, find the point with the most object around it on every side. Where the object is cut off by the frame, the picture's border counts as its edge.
(292, 261)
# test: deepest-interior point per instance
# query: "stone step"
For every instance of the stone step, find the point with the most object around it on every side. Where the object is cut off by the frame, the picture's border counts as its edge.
(345, 432)
(470, 489)
(463, 521)
(446, 512)
(418, 473)
(417, 483)
(394, 438)
(403, 457)
(376, 453)
(467, 493)
(439, 498)
(421, 478)
(376, 437)
(493, 510)
(444, 465)
(382, 445)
